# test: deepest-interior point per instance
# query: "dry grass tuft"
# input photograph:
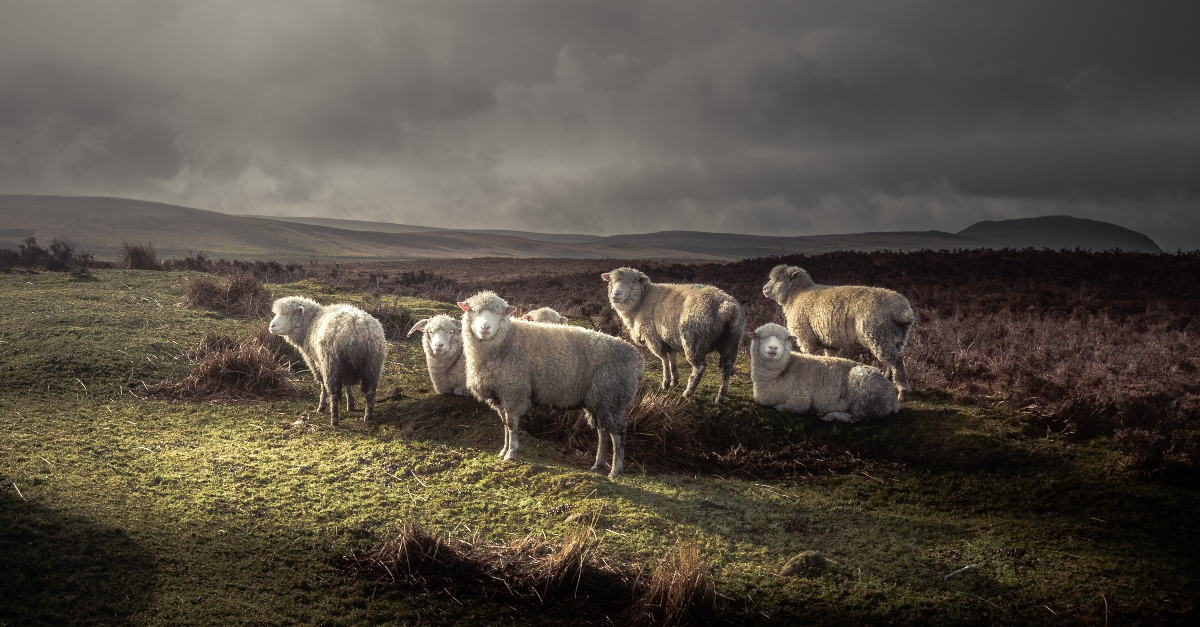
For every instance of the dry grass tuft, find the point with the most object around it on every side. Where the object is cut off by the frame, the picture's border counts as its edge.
(396, 319)
(240, 295)
(529, 569)
(139, 257)
(680, 590)
(245, 369)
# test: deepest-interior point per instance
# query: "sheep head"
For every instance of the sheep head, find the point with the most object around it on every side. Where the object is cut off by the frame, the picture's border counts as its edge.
(771, 342)
(292, 315)
(486, 314)
(784, 281)
(625, 285)
(442, 334)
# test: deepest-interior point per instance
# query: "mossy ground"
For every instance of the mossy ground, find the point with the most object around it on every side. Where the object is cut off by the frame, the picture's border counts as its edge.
(133, 510)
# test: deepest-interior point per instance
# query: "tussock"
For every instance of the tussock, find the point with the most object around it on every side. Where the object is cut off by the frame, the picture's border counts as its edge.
(231, 369)
(679, 590)
(240, 295)
(529, 569)
(138, 257)
(396, 319)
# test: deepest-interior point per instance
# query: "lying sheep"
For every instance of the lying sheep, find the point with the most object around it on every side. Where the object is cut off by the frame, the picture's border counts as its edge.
(545, 314)
(442, 341)
(834, 388)
(668, 318)
(341, 344)
(845, 319)
(512, 364)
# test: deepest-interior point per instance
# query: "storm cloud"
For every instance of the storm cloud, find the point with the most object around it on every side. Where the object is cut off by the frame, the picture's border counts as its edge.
(614, 117)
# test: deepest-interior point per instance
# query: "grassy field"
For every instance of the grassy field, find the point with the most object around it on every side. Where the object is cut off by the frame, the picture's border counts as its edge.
(117, 508)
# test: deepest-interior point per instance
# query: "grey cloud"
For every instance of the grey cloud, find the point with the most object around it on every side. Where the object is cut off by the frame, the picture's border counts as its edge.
(624, 116)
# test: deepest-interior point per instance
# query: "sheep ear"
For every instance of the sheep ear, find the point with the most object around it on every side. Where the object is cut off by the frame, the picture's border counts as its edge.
(793, 274)
(464, 306)
(794, 340)
(419, 326)
(605, 276)
(562, 319)
(526, 317)
(510, 310)
(752, 335)
(643, 279)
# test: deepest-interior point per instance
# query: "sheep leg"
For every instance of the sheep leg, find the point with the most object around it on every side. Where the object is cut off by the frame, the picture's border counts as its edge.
(334, 394)
(671, 361)
(899, 377)
(504, 421)
(602, 444)
(514, 443)
(664, 355)
(369, 394)
(618, 454)
(350, 399)
(839, 415)
(321, 400)
(698, 367)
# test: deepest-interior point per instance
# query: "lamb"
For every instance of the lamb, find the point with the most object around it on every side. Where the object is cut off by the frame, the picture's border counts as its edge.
(341, 344)
(845, 319)
(668, 318)
(833, 387)
(545, 314)
(513, 363)
(442, 341)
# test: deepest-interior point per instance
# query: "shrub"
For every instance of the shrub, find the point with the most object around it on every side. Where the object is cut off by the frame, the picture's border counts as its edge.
(240, 295)
(232, 369)
(139, 257)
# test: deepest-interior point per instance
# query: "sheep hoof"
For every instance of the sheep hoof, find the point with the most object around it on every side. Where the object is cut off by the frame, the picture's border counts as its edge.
(599, 467)
(614, 474)
(510, 456)
(902, 395)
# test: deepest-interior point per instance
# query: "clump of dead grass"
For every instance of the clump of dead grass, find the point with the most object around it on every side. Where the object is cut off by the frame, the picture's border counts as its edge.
(139, 257)
(679, 591)
(529, 569)
(240, 295)
(395, 318)
(234, 369)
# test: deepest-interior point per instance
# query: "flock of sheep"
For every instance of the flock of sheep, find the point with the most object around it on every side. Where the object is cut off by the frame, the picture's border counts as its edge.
(514, 363)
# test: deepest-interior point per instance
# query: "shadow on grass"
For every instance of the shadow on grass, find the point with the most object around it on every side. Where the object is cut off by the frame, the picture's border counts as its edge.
(62, 569)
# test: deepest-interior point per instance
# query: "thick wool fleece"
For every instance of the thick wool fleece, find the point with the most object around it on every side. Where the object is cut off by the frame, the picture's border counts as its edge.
(844, 319)
(341, 344)
(670, 318)
(544, 314)
(526, 363)
(832, 387)
(448, 369)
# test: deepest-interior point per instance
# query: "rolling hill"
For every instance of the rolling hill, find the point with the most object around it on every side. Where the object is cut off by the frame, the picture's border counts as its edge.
(99, 225)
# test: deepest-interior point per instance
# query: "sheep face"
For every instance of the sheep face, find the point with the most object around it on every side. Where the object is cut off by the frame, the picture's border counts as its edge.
(625, 285)
(442, 333)
(290, 315)
(486, 313)
(772, 341)
(545, 314)
(784, 280)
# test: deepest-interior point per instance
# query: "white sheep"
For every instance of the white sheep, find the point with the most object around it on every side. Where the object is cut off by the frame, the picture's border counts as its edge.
(844, 319)
(441, 338)
(832, 387)
(545, 314)
(513, 363)
(669, 318)
(341, 344)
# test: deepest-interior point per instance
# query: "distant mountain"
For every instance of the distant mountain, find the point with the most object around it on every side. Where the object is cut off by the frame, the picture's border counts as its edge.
(99, 225)
(1057, 232)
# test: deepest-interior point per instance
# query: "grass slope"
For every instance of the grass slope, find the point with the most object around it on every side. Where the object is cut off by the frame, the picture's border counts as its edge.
(117, 509)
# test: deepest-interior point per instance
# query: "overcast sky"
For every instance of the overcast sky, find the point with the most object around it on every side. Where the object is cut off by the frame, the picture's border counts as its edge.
(789, 117)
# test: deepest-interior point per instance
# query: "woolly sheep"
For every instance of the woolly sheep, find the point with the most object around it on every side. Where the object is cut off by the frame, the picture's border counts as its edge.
(341, 344)
(441, 338)
(669, 318)
(834, 388)
(545, 314)
(512, 364)
(845, 319)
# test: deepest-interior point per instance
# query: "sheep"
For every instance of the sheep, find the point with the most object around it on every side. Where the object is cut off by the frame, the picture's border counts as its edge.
(844, 319)
(545, 314)
(833, 387)
(341, 344)
(668, 318)
(513, 363)
(442, 341)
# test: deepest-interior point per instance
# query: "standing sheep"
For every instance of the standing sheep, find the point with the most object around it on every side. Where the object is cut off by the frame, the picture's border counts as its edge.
(846, 319)
(512, 364)
(341, 344)
(442, 341)
(669, 318)
(834, 388)
(545, 314)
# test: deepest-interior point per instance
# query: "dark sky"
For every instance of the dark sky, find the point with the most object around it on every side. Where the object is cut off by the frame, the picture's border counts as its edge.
(612, 116)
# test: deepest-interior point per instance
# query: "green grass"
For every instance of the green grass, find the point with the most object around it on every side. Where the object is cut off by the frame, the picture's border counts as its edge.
(134, 510)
